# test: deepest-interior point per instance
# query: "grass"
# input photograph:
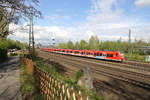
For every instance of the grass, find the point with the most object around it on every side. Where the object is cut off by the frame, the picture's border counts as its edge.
(29, 89)
(136, 56)
(70, 82)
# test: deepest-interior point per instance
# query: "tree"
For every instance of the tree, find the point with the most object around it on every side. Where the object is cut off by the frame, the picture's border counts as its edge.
(77, 45)
(83, 45)
(3, 24)
(13, 10)
(70, 45)
(62, 45)
(94, 43)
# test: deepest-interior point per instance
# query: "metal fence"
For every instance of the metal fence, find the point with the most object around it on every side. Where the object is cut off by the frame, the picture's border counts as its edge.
(53, 89)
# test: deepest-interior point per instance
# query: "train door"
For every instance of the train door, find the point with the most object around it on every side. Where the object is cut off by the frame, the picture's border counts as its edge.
(104, 55)
(92, 53)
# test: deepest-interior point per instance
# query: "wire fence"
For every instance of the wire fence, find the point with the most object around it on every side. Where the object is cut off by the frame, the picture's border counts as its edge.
(52, 88)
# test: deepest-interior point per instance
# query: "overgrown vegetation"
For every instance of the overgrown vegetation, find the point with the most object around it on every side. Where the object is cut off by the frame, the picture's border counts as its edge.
(9, 44)
(41, 63)
(95, 44)
(3, 50)
(29, 87)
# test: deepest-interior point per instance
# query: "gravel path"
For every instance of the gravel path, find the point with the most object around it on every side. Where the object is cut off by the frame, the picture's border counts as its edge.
(10, 79)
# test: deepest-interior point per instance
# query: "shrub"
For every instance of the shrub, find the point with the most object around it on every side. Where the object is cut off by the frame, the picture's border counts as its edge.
(79, 74)
(3, 50)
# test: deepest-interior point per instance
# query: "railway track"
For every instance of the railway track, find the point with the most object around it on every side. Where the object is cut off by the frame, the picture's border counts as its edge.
(100, 85)
(132, 77)
(139, 67)
(72, 67)
(138, 63)
(135, 77)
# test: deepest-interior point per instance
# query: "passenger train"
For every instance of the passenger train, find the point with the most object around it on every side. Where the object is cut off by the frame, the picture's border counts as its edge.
(103, 55)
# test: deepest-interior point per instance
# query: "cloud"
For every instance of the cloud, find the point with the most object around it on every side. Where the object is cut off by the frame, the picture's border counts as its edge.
(108, 22)
(102, 16)
(42, 34)
(102, 12)
(105, 19)
(142, 3)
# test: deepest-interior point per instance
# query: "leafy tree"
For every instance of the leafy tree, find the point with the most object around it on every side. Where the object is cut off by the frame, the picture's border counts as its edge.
(119, 45)
(94, 43)
(70, 45)
(13, 10)
(77, 45)
(83, 45)
(62, 45)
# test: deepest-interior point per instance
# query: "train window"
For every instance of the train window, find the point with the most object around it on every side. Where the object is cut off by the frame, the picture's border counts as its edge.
(111, 55)
(107, 55)
(95, 54)
(116, 54)
(104, 54)
(91, 53)
(100, 54)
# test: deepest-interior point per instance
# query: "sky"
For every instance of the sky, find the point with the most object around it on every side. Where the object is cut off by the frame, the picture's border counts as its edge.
(74, 20)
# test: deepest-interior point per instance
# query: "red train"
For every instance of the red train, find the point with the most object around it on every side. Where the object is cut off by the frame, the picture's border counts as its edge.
(105, 55)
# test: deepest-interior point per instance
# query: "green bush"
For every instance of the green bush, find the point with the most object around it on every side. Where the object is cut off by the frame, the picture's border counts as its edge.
(9, 44)
(3, 50)
(79, 74)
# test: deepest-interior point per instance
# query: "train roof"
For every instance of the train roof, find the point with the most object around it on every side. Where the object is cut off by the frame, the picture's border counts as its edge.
(82, 50)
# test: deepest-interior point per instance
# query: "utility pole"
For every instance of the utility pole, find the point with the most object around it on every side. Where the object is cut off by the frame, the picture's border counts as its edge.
(32, 24)
(129, 44)
(30, 40)
(31, 34)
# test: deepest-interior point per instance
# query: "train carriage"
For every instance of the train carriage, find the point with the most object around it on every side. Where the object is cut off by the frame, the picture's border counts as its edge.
(105, 55)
